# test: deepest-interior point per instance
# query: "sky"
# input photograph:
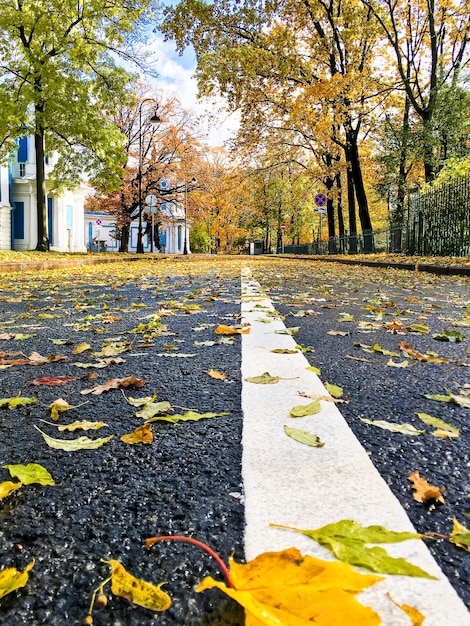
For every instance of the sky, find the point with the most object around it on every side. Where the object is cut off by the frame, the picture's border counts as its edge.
(176, 76)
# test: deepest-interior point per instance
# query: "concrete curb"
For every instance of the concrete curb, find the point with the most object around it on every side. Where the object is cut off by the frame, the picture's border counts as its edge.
(288, 483)
(446, 270)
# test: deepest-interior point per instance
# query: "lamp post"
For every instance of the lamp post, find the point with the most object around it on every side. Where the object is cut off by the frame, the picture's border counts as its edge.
(185, 242)
(155, 119)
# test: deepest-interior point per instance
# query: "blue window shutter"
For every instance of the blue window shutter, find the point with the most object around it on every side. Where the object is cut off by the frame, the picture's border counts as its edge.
(69, 209)
(18, 223)
(50, 221)
(23, 150)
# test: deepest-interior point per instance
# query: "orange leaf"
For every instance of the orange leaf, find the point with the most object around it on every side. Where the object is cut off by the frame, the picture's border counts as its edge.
(217, 375)
(423, 490)
(223, 329)
(142, 434)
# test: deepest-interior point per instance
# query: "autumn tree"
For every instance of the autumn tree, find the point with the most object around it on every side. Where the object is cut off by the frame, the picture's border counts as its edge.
(297, 70)
(161, 146)
(429, 44)
(59, 63)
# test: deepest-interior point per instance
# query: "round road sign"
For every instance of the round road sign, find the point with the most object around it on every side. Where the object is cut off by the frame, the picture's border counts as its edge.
(283, 227)
(320, 199)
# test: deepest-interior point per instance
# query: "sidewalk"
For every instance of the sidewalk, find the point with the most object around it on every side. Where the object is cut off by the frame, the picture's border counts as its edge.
(294, 485)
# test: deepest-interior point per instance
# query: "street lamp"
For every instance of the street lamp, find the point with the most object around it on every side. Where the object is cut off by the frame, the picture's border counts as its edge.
(155, 119)
(185, 243)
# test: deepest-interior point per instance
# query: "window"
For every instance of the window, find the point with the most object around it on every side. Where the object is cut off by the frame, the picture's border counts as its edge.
(22, 170)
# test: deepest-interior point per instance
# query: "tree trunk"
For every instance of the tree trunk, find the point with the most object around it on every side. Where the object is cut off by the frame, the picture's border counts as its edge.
(340, 214)
(124, 242)
(43, 240)
(351, 214)
(361, 196)
(397, 218)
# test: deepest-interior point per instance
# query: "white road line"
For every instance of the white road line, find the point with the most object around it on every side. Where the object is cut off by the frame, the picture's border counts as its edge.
(288, 483)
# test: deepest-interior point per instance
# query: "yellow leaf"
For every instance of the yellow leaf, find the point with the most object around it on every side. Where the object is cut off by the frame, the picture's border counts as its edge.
(136, 590)
(11, 579)
(57, 406)
(142, 434)
(8, 487)
(417, 618)
(82, 347)
(290, 589)
(223, 329)
(217, 375)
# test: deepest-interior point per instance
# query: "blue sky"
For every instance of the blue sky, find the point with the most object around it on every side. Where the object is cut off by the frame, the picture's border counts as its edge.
(176, 77)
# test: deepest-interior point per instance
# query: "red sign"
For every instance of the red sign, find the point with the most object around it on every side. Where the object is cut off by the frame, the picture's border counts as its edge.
(283, 227)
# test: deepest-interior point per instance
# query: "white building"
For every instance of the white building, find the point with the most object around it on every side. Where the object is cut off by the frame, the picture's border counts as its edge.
(18, 215)
(100, 231)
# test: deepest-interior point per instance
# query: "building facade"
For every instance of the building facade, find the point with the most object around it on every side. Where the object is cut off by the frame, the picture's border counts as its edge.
(101, 234)
(18, 214)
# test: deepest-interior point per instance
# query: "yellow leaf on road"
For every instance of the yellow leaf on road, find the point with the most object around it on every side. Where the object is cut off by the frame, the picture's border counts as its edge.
(223, 329)
(8, 487)
(11, 579)
(142, 434)
(217, 375)
(136, 590)
(290, 589)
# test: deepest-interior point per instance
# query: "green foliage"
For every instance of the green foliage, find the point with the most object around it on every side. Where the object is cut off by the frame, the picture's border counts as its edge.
(199, 239)
(57, 58)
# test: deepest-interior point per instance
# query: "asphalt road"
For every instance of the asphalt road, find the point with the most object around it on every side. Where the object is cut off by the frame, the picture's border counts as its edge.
(188, 481)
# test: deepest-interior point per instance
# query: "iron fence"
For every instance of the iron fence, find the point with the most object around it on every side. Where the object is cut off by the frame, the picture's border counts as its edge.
(438, 224)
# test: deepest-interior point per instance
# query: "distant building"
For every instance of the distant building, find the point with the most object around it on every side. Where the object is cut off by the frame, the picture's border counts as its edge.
(102, 235)
(18, 216)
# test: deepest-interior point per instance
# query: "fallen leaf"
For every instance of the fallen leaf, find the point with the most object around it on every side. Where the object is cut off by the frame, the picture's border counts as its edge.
(78, 425)
(438, 423)
(72, 445)
(8, 487)
(136, 590)
(12, 579)
(52, 381)
(223, 329)
(217, 375)
(404, 363)
(303, 436)
(12, 403)
(115, 383)
(142, 434)
(151, 409)
(404, 429)
(284, 351)
(315, 370)
(347, 540)
(424, 492)
(317, 396)
(291, 589)
(339, 333)
(189, 416)
(453, 336)
(416, 617)
(293, 330)
(264, 379)
(334, 390)
(30, 474)
(141, 401)
(460, 535)
(302, 410)
(82, 347)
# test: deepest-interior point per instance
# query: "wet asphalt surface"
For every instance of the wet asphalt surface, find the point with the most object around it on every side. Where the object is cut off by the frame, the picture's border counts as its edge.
(107, 501)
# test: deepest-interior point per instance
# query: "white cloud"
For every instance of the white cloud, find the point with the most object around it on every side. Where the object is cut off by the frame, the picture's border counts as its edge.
(176, 77)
